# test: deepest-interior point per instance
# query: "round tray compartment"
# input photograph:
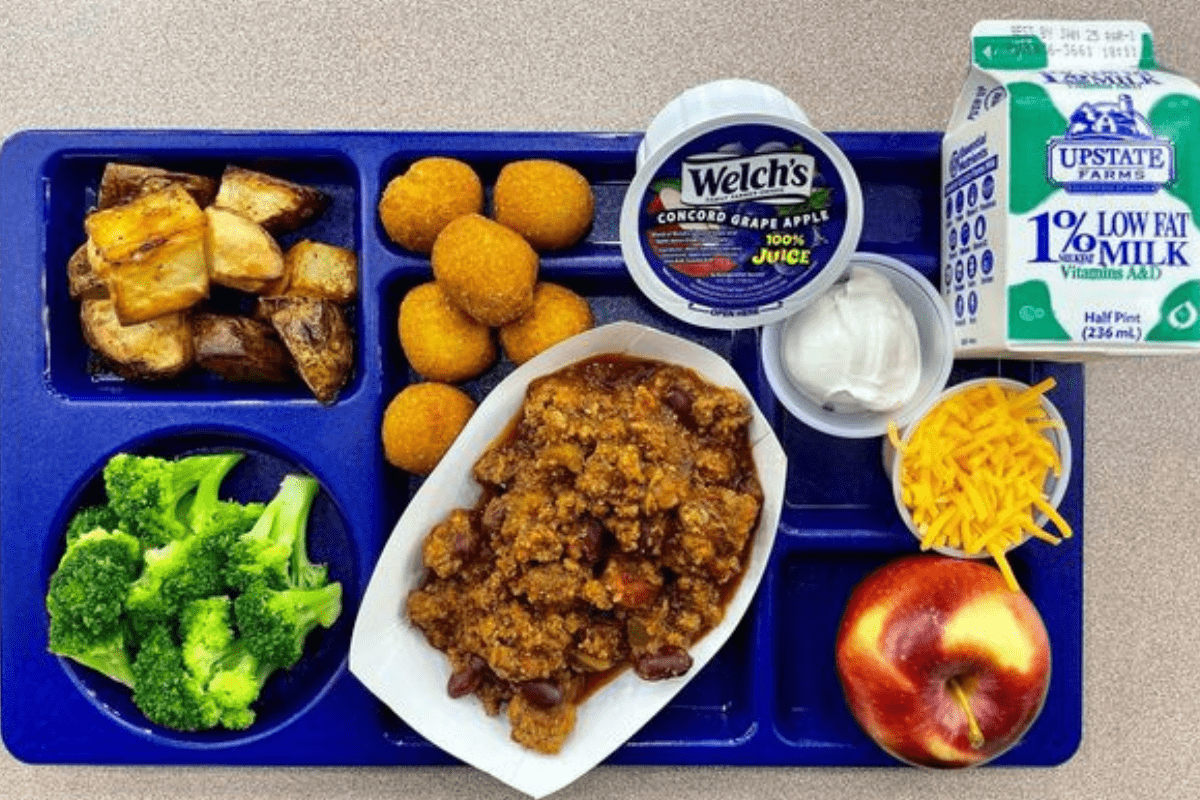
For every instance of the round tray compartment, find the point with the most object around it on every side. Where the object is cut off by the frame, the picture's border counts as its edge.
(288, 693)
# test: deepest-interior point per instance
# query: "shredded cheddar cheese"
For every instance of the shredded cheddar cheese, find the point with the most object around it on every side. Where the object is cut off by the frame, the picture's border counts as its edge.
(973, 472)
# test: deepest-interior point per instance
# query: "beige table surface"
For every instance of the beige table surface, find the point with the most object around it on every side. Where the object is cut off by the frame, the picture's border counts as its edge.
(592, 65)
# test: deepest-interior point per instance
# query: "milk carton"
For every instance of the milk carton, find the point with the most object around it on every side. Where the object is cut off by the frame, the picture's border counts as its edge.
(1070, 190)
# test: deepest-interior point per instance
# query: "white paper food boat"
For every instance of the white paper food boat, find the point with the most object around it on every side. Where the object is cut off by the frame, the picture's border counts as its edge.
(394, 661)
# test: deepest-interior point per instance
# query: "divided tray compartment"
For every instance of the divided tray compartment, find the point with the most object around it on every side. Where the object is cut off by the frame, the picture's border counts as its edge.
(771, 696)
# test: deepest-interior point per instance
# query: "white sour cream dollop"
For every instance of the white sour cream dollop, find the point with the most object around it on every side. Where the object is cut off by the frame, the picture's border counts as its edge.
(855, 347)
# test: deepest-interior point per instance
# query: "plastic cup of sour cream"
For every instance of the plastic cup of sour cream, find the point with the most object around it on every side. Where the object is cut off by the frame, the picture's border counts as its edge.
(935, 351)
(739, 209)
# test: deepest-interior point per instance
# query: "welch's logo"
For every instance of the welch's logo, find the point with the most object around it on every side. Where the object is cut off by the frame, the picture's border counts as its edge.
(778, 178)
(1109, 148)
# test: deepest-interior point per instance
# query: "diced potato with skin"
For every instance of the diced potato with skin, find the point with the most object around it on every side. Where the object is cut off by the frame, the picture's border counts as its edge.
(124, 231)
(240, 252)
(83, 283)
(174, 281)
(316, 335)
(150, 252)
(276, 204)
(158, 349)
(316, 269)
(122, 183)
(239, 348)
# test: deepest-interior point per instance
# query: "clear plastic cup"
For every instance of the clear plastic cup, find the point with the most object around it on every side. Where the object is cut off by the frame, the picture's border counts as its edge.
(935, 331)
(1055, 487)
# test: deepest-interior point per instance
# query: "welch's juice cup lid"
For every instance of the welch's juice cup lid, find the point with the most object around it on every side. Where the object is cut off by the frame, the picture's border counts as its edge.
(740, 211)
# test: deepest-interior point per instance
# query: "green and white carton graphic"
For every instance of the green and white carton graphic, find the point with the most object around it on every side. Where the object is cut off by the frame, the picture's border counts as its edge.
(1070, 190)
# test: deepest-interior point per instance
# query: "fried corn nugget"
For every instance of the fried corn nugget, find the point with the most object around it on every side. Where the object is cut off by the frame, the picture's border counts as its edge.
(547, 202)
(486, 269)
(557, 314)
(419, 203)
(420, 424)
(440, 340)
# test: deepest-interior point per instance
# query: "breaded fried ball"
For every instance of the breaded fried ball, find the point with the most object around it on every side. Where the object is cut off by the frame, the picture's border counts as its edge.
(557, 314)
(440, 340)
(420, 424)
(417, 204)
(485, 268)
(547, 202)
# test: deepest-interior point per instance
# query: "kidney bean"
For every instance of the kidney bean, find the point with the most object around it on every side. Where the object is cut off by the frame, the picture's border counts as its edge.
(543, 694)
(466, 680)
(669, 662)
(591, 539)
(680, 401)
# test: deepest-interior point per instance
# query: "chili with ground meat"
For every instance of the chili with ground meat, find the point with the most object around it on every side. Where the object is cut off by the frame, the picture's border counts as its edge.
(615, 522)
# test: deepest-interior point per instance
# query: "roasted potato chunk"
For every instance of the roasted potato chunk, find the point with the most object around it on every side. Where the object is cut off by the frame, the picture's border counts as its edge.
(316, 335)
(316, 269)
(276, 204)
(150, 253)
(154, 350)
(122, 183)
(241, 254)
(82, 281)
(239, 348)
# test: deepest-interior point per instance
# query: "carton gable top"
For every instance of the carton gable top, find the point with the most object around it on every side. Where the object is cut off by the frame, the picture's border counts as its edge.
(1005, 45)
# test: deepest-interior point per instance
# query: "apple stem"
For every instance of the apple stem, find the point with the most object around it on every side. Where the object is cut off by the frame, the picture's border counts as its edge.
(974, 734)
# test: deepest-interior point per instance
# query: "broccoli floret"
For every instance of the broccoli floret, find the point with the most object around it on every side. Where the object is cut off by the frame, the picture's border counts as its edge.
(89, 518)
(206, 629)
(85, 599)
(274, 550)
(194, 566)
(236, 518)
(275, 622)
(221, 664)
(204, 509)
(236, 684)
(176, 574)
(152, 496)
(166, 691)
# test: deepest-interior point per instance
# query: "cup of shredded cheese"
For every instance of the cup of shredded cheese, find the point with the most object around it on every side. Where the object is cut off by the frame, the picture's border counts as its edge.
(982, 470)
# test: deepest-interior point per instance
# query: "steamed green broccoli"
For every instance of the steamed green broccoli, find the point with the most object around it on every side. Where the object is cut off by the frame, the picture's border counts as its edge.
(236, 684)
(152, 496)
(228, 515)
(274, 623)
(204, 509)
(194, 566)
(89, 518)
(274, 550)
(191, 600)
(86, 598)
(182, 571)
(166, 691)
(206, 631)
(219, 662)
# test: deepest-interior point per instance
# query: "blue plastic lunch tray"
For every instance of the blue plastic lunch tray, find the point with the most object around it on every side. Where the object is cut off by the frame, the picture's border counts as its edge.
(770, 697)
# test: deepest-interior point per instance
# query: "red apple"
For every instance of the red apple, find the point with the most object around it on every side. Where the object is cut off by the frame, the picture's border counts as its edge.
(943, 665)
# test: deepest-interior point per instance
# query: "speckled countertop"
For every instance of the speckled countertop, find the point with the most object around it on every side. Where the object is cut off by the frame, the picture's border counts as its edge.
(572, 65)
